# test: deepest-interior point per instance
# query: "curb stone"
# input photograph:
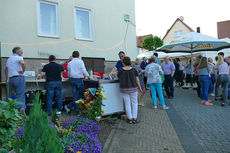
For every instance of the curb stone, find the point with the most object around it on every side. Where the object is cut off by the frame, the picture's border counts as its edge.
(109, 140)
(183, 131)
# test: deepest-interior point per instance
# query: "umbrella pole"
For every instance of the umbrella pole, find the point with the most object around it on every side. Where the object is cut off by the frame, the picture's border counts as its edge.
(192, 68)
(192, 64)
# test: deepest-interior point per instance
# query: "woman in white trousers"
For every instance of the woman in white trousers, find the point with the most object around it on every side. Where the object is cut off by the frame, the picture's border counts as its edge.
(129, 84)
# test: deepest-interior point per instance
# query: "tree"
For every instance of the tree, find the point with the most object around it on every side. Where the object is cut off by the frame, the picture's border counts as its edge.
(38, 136)
(152, 43)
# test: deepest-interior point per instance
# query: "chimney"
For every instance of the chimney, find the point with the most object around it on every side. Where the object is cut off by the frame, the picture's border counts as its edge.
(198, 29)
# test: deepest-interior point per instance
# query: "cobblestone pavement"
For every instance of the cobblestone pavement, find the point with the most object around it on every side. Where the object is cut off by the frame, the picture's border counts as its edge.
(154, 134)
(106, 128)
(210, 125)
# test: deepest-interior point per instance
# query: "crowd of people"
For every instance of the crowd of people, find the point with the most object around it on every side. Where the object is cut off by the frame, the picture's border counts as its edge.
(134, 79)
(53, 72)
(209, 77)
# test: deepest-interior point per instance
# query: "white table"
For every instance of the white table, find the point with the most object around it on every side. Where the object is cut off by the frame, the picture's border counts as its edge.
(113, 101)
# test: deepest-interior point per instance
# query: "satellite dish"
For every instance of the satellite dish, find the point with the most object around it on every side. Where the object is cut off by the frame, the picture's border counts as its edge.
(181, 18)
(126, 18)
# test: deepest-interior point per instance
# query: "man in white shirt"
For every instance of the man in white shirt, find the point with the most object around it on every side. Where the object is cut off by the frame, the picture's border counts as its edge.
(76, 72)
(14, 70)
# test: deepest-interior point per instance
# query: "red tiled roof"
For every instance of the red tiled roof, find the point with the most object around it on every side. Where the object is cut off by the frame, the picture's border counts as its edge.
(140, 40)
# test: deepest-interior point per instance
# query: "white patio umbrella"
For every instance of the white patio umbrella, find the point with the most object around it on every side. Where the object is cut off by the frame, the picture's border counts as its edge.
(160, 54)
(194, 42)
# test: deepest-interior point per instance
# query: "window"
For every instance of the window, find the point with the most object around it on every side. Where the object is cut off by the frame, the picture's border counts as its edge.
(83, 24)
(178, 33)
(48, 24)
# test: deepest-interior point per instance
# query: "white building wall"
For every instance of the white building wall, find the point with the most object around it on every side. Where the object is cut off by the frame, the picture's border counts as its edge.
(178, 26)
(18, 20)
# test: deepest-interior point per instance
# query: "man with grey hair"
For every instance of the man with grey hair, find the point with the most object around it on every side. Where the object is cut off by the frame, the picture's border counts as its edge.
(169, 69)
(14, 70)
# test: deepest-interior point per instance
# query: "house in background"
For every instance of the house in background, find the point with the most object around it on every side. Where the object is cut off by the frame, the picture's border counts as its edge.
(180, 28)
(44, 27)
(223, 32)
(177, 29)
(223, 29)
(140, 40)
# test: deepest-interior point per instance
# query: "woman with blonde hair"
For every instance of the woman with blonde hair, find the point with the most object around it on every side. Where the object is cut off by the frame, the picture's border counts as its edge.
(212, 76)
(204, 70)
(141, 78)
(222, 76)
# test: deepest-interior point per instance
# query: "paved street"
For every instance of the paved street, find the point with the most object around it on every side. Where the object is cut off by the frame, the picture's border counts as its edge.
(187, 127)
(155, 133)
(210, 126)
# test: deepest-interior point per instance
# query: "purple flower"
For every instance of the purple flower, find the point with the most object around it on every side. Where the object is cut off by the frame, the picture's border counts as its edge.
(85, 143)
(84, 137)
(19, 132)
(83, 125)
(52, 125)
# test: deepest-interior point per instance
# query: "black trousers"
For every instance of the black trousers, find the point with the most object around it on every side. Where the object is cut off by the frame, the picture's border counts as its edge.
(168, 85)
(190, 79)
(145, 81)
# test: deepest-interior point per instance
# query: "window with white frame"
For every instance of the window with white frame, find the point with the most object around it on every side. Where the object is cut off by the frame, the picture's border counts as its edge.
(178, 33)
(48, 23)
(83, 27)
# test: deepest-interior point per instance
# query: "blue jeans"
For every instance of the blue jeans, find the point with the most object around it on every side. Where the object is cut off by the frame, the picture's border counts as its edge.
(78, 90)
(53, 87)
(204, 86)
(223, 80)
(168, 84)
(211, 88)
(17, 86)
(157, 87)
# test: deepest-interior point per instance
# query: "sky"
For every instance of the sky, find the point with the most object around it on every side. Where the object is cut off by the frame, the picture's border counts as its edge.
(157, 16)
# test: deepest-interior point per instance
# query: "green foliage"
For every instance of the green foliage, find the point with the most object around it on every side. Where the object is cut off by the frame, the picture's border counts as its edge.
(38, 136)
(9, 122)
(152, 43)
(82, 137)
(66, 139)
(55, 118)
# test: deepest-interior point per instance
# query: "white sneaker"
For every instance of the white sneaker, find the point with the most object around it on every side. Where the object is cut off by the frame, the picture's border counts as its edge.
(66, 108)
(58, 112)
(212, 94)
(165, 107)
(155, 107)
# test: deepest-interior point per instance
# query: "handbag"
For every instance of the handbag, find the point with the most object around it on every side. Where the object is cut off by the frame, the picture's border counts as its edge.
(213, 80)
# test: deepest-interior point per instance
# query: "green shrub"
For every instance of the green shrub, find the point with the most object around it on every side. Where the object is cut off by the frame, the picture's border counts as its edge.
(38, 136)
(9, 123)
